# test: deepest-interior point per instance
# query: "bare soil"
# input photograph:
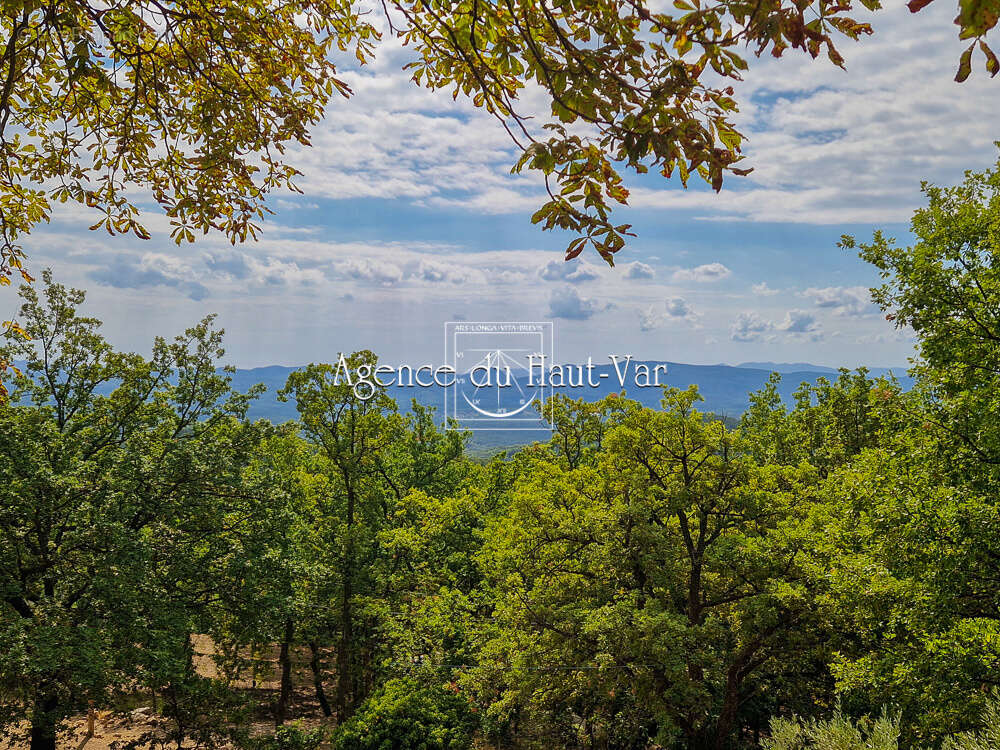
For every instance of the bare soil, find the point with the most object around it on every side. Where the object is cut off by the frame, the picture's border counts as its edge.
(260, 682)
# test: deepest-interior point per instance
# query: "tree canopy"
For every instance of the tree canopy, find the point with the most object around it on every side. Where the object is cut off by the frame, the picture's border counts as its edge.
(191, 105)
(120, 489)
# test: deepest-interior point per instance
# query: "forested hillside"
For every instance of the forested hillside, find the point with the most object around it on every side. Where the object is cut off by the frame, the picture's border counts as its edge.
(650, 577)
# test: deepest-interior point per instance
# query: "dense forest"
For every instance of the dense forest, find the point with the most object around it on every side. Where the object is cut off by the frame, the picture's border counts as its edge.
(825, 574)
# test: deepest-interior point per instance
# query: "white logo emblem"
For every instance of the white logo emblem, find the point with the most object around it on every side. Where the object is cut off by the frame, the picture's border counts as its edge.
(494, 388)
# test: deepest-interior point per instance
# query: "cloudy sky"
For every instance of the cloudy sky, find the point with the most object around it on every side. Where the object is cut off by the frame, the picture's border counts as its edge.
(410, 218)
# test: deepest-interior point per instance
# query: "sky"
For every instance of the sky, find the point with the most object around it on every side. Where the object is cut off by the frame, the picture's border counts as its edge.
(409, 218)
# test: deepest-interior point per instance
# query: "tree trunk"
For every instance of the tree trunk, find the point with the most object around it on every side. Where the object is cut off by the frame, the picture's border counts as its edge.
(43, 723)
(285, 662)
(731, 700)
(345, 661)
(726, 723)
(317, 670)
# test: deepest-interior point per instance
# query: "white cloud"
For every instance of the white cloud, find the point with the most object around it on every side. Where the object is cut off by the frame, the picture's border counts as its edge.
(800, 322)
(149, 270)
(437, 272)
(366, 269)
(674, 308)
(895, 337)
(295, 205)
(498, 200)
(650, 319)
(749, 326)
(704, 273)
(638, 270)
(842, 300)
(574, 271)
(678, 307)
(567, 303)
(261, 271)
(763, 290)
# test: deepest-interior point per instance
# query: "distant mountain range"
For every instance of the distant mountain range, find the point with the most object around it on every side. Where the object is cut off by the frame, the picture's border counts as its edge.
(784, 367)
(725, 389)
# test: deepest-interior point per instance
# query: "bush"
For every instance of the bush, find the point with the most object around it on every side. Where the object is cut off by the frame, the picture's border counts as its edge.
(289, 737)
(840, 733)
(837, 733)
(201, 713)
(405, 715)
(987, 738)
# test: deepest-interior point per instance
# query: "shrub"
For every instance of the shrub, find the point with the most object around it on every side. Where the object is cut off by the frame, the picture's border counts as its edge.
(836, 733)
(201, 713)
(987, 738)
(289, 737)
(405, 715)
(840, 733)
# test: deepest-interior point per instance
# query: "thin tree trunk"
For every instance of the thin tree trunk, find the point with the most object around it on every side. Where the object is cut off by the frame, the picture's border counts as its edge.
(345, 666)
(726, 723)
(317, 670)
(43, 723)
(285, 662)
(345, 661)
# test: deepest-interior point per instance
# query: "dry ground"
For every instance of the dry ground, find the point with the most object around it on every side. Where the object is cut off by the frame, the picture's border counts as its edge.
(112, 729)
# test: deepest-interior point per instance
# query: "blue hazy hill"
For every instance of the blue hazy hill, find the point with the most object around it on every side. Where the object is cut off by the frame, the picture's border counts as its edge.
(725, 390)
(794, 367)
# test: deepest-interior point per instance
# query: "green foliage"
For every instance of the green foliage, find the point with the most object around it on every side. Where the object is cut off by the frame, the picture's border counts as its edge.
(919, 511)
(196, 104)
(656, 586)
(984, 738)
(409, 715)
(288, 737)
(945, 287)
(392, 510)
(201, 713)
(911, 576)
(883, 733)
(830, 423)
(647, 577)
(123, 506)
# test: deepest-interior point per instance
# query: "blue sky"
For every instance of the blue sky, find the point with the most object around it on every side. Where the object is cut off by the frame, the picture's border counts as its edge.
(410, 218)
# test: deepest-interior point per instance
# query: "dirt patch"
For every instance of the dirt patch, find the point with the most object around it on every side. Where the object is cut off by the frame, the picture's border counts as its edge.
(257, 677)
